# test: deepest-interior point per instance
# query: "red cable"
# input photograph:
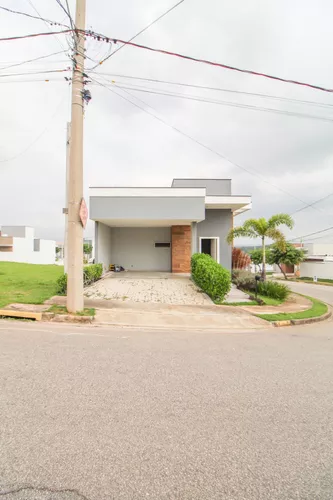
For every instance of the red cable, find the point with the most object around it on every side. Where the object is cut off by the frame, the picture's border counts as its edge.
(211, 63)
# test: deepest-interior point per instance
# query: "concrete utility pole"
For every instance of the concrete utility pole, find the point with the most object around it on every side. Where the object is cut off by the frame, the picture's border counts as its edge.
(68, 145)
(75, 187)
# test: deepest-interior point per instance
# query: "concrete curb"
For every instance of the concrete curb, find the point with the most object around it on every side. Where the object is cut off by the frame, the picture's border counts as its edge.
(67, 318)
(306, 321)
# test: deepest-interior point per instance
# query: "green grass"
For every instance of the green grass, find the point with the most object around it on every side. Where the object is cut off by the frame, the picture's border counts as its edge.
(268, 302)
(27, 283)
(318, 309)
(63, 310)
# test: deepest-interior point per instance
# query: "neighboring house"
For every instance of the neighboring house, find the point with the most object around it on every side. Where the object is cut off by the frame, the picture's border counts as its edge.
(18, 244)
(158, 229)
(318, 262)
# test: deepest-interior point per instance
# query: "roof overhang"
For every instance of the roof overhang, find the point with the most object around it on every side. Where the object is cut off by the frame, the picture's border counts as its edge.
(237, 204)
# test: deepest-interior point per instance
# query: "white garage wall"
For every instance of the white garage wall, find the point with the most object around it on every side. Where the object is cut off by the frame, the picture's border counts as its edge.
(134, 248)
(319, 269)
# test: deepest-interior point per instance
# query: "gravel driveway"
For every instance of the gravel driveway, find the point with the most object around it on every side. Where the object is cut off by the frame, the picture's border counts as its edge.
(165, 288)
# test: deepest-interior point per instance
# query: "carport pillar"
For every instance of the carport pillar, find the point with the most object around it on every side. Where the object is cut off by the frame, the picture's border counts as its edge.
(181, 243)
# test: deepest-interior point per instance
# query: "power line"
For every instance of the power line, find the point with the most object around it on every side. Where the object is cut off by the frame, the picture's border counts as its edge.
(63, 8)
(35, 73)
(227, 103)
(32, 60)
(218, 89)
(311, 234)
(142, 31)
(312, 204)
(206, 61)
(208, 148)
(33, 17)
(48, 27)
(34, 35)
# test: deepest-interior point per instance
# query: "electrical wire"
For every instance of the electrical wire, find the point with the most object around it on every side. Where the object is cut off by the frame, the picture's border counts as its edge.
(48, 27)
(32, 60)
(218, 89)
(34, 35)
(142, 31)
(312, 204)
(228, 103)
(311, 234)
(33, 17)
(63, 8)
(208, 62)
(39, 136)
(196, 141)
(35, 73)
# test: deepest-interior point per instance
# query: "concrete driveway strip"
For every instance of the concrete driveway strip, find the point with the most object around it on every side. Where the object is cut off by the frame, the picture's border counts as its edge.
(100, 413)
(320, 292)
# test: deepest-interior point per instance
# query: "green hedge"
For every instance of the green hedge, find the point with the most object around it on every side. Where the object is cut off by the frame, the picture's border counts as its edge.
(91, 274)
(210, 276)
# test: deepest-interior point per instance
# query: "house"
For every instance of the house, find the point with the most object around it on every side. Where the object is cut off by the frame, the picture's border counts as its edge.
(159, 228)
(318, 262)
(18, 244)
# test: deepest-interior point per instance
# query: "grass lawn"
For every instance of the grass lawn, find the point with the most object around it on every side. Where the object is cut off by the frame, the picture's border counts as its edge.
(63, 310)
(27, 283)
(318, 309)
(268, 302)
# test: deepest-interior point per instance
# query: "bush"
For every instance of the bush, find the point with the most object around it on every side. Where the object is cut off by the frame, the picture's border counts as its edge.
(62, 285)
(210, 276)
(90, 275)
(244, 280)
(273, 290)
(240, 259)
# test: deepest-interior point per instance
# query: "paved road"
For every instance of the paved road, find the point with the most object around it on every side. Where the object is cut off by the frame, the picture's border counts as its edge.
(96, 414)
(321, 292)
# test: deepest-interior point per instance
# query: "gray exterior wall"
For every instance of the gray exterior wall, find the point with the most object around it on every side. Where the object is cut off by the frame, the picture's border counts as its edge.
(134, 248)
(214, 187)
(185, 208)
(217, 223)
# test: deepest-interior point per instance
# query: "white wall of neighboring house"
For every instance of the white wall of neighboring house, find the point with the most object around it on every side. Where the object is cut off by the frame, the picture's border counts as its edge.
(319, 249)
(320, 269)
(26, 248)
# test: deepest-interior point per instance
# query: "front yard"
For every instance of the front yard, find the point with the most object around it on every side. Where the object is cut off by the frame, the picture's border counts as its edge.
(27, 283)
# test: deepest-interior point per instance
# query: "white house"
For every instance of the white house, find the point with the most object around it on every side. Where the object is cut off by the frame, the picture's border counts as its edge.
(18, 244)
(318, 262)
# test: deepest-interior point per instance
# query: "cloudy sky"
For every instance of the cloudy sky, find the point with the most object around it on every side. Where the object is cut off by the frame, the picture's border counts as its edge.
(289, 157)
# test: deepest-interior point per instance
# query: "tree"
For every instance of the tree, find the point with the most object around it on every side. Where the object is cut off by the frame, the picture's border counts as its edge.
(256, 256)
(87, 248)
(263, 229)
(289, 256)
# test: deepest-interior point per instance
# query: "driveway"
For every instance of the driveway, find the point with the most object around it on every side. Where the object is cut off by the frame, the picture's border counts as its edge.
(320, 292)
(164, 288)
(101, 414)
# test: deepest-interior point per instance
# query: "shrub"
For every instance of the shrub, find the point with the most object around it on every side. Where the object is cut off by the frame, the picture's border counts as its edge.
(210, 276)
(274, 290)
(62, 285)
(90, 275)
(240, 259)
(243, 280)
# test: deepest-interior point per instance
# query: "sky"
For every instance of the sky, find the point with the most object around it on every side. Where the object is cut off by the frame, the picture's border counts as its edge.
(282, 159)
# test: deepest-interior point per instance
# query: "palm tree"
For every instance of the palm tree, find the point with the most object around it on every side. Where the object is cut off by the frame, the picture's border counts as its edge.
(262, 228)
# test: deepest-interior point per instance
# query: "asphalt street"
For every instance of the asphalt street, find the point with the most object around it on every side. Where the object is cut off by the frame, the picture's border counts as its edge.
(321, 292)
(95, 414)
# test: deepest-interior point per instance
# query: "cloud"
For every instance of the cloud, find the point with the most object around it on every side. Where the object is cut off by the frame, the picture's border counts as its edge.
(124, 145)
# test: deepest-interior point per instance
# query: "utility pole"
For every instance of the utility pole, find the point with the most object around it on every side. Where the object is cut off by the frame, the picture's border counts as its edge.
(68, 144)
(75, 177)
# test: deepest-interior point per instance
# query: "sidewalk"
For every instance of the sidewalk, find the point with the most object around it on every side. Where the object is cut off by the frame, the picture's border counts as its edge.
(125, 313)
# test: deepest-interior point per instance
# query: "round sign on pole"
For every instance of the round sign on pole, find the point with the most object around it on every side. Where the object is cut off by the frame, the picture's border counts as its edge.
(83, 213)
